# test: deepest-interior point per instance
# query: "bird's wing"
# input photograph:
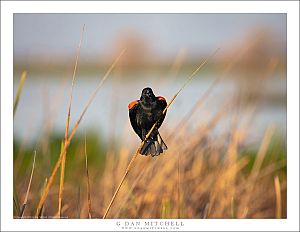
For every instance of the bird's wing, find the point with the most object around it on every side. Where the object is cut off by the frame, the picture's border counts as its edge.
(163, 104)
(132, 115)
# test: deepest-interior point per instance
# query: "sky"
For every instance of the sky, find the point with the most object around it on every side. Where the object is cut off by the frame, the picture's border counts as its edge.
(165, 34)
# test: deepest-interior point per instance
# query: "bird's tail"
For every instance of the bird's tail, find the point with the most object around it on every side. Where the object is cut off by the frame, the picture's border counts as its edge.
(154, 147)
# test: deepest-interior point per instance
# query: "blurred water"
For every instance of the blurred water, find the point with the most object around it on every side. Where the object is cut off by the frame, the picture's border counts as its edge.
(44, 102)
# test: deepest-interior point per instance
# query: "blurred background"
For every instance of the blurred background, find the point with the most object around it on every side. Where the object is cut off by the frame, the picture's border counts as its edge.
(230, 106)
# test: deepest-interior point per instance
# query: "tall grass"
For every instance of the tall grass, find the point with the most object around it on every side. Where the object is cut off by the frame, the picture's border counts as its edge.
(149, 133)
(16, 102)
(203, 174)
(63, 162)
(214, 182)
(278, 197)
(212, 186)
(67, 143)
(20, 87)
(29, 185)
(87, 181)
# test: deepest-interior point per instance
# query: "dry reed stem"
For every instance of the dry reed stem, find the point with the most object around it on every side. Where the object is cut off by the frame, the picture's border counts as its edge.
(171, 74)
(20, 87)
(122, 180)
(58, 214)
(262, 152)
(62, 171)
(230, 167)
(177, 64)
(209, 90)
(198, 104)
(150, 131)
(173, 71)
(256, 167)
(87, 181)
(43, 141)
(278, 197)
(41, 193)
(146, 168)
(28, 188)
(178, 185)
(67, 143)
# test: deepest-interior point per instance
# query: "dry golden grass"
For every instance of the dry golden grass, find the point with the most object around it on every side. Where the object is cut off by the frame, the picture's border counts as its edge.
(150, 131)
(20, 87)
(63, 162)
(87, 181)
(28, 188)
(203, 174)
(68, 141)
(213, 183)
(278, 197)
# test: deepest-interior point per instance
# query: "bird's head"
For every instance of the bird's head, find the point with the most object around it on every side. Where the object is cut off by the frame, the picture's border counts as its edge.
(147, 95)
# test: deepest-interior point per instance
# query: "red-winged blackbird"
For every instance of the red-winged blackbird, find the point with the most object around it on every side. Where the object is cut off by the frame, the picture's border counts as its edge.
(143, 114)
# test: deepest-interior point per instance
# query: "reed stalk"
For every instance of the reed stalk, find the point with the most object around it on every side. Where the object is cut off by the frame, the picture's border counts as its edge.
(20, 87)
(77, 123)
(28, 187)
(278, 197)
(87, 181)
(63, 163)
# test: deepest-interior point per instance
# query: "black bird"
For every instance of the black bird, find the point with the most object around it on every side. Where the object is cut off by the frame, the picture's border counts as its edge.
(143, 114)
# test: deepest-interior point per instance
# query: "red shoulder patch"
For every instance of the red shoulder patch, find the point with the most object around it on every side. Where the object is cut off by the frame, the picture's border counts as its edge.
(160, 98)
(132, 104)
